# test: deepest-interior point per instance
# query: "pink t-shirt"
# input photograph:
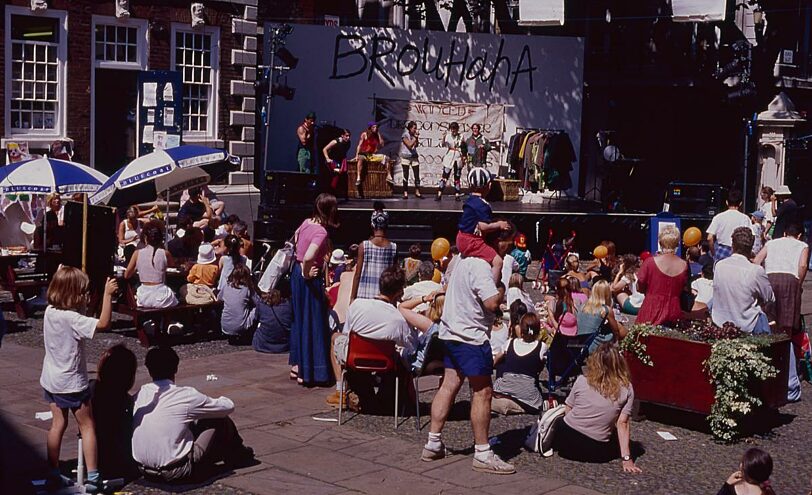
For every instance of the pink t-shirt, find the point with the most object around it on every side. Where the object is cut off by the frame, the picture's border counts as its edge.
(311, 233)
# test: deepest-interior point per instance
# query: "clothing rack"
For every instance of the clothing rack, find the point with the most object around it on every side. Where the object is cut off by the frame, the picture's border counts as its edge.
(535, 129)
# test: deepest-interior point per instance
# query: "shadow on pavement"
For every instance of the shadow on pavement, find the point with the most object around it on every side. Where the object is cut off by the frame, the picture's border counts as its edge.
(20, 461)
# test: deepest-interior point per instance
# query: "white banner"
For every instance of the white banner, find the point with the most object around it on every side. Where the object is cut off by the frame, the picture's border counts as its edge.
(698, 10)
(541, 12)
(433, 119)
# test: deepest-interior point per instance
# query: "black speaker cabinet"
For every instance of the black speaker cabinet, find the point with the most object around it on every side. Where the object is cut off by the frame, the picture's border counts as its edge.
(290, 188)
(101, 240)
(685, 198)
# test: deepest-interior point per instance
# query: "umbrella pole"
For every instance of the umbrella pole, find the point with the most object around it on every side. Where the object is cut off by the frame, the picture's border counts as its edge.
(166, 218)
(84, 233)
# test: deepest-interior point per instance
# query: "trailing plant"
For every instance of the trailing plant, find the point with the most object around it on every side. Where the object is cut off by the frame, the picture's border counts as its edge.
(734, 365)
(632, 344)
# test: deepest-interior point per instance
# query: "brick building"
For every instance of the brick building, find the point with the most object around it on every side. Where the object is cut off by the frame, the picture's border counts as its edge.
(70, 69)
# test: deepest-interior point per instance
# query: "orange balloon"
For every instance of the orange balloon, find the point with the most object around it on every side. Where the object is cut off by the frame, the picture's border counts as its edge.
(439, 248)
(438, 275)
(600, 252)
(692, 237)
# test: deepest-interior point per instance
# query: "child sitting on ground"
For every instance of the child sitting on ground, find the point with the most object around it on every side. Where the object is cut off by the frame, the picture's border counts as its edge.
(206, 270)
(64, 369)
(477, 222)
(238, 318)
(702, 288)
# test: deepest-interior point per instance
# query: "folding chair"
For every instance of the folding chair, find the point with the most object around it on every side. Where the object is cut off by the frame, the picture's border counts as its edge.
(370, 356)
(565, 358)
(432, 365)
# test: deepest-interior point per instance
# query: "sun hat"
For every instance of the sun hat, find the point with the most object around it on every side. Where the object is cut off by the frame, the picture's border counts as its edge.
(758, 215)
(338, 257)
(205, 254)
(783, 191)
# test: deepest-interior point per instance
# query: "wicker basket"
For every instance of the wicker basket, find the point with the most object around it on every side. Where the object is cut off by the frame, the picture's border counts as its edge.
(374, 181)
(506, 189)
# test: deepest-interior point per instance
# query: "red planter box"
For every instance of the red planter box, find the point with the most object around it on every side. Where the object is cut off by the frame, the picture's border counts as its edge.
(678, 378)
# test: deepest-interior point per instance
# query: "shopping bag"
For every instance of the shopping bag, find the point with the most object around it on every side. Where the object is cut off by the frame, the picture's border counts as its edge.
(280, 266)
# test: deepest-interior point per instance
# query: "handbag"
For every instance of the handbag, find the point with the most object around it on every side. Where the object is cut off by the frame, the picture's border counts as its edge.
(197, 294)
(280, 266)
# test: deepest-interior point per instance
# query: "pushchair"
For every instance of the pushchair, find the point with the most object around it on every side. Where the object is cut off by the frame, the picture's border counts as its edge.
(566, 356)
(553, 260)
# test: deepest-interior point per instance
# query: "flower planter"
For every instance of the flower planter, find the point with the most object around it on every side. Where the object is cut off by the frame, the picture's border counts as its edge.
(678, 378)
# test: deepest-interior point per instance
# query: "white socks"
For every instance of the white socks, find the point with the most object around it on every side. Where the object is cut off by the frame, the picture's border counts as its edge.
(482, 452)
(435, 443)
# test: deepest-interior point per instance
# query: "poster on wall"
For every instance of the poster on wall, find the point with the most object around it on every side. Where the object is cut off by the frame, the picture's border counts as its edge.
(343, 72)
(17, 151)
(433, 120)
(160, 114)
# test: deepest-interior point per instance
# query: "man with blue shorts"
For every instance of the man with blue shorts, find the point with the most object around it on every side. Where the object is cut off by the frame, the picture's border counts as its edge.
(472, 298)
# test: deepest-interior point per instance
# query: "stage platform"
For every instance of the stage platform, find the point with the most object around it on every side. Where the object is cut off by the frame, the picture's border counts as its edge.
(421, 220)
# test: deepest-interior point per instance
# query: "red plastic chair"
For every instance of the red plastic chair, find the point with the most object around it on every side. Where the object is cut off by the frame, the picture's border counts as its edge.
(370, 356)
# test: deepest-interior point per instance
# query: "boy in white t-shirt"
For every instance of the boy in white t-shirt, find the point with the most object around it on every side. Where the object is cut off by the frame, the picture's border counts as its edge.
(64, 369)
(723, 224)
(702, 288)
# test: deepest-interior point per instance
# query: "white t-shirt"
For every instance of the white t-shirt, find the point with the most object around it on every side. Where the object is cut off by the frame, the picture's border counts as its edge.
(517, 294)
(784, 255)
(405, 152)
(767, 208)
(509, 265)
(420, 289)
(704, 290)
(64, 369)
(499, 338)
(464, 318)
(723, 225)
(379, 320)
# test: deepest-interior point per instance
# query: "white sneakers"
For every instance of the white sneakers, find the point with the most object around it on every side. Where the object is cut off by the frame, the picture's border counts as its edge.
(493, 465)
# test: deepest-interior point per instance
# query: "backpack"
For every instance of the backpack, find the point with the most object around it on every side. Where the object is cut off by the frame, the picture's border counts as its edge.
(197, 294)
(540, 436)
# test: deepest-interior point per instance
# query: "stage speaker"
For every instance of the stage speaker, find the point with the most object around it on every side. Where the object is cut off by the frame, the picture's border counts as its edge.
(289, 188)
(684, 198)
(101, 240)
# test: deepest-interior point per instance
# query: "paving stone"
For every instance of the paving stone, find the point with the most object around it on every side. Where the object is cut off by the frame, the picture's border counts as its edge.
(460, 473)
(265, 443)
(572, 490)
(398, 454)
(392, 480)
(535, 485)
(321, 464)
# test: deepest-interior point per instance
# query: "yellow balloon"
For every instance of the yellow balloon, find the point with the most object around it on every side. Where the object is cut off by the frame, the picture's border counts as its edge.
(439, 248)
(438, 275)
(600, 252)
(692, 237)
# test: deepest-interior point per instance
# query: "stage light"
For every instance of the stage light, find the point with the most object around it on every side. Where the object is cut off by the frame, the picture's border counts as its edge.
(287, 58)
(283, 90)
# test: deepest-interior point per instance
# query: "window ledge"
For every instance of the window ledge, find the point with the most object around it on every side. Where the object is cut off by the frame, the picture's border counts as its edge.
(34, 141)
(207, 141)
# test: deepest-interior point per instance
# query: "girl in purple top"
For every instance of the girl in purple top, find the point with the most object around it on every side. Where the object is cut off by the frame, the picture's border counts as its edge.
(309, 332)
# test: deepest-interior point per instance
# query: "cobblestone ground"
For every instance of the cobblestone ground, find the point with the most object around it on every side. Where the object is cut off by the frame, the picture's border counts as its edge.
(691, 464)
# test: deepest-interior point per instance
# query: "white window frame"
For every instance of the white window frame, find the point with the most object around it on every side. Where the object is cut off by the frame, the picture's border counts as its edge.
(142, 27)
(142, 63)
(214, 109)
(62, 75)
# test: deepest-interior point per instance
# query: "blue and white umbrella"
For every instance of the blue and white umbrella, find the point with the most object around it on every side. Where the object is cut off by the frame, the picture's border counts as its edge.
(170, 170)
(48, 175)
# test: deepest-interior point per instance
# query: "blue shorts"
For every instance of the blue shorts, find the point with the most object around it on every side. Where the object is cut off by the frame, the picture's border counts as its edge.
(73, 400)
(468, 359)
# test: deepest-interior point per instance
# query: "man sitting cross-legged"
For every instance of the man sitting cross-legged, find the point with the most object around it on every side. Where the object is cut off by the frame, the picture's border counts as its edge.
(377, 319)
(179, 432)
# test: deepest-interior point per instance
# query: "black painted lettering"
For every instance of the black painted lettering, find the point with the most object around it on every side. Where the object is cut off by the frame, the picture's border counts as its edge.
(338, 55)
(377, 42)
(476, 68)
(403, 51)
(451, 63)
(497, 63)
(520, 70)
(436, 68)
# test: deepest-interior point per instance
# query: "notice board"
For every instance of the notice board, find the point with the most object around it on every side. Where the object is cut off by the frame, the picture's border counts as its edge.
(160, 110)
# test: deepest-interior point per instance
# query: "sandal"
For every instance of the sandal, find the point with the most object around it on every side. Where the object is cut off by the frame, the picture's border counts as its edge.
(294, 374)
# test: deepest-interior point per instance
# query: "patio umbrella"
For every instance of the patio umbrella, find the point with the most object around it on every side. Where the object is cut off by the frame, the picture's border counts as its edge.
(48, 175)
(169, 171)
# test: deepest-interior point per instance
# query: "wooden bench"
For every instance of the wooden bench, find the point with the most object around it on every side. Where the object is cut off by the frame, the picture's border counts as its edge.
(20, 282)
(126, 304)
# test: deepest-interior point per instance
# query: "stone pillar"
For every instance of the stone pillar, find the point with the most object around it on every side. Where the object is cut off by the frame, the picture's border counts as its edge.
(775, 126)
(246, 57)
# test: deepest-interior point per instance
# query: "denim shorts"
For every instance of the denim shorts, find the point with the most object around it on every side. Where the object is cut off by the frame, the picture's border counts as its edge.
(72, 400)
(468, 359)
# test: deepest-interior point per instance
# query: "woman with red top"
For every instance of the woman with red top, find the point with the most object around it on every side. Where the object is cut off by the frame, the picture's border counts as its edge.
(662, 279)
(368, 145)
(309, 331)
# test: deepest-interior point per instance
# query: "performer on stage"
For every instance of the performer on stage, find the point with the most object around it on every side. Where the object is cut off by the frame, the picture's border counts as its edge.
(305, 133)
(368, 145)
(336, 151)
(409, 158)
(476, 149)
(452, 160)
